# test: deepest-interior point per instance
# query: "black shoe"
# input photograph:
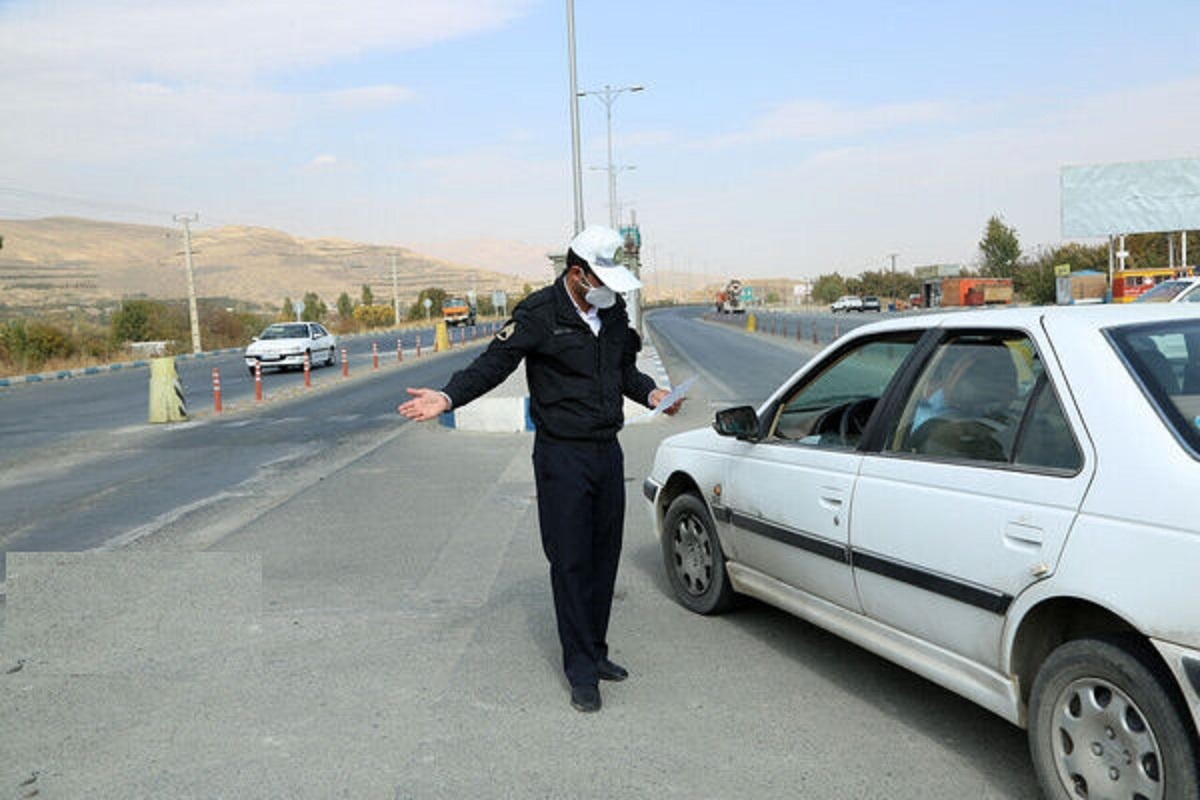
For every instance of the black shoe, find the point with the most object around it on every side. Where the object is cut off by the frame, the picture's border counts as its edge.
(585, 698)
(609, 671)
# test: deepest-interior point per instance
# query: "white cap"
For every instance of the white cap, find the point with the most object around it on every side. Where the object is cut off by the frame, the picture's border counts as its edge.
(598, 245)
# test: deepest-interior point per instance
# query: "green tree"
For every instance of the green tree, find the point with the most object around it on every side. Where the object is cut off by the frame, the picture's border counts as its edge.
(368, 296)
(345, 306)
(286, 312)
(314, 308)
(827, 288)
(1035, 279)
(1000, 249)
(417, 310)
(131, 323)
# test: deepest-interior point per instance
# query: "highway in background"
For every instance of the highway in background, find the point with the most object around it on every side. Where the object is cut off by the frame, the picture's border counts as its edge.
(81, 467)
(37, 415)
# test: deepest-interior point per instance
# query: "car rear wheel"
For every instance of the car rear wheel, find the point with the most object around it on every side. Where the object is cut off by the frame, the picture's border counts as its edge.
(693, 558)
(330, 358)
(1103, 724)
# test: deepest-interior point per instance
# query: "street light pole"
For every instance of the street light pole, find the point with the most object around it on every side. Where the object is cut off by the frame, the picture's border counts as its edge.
(576, 169)
(608, 95)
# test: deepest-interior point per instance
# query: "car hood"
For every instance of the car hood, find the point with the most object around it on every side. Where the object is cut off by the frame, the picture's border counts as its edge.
(278, 345)
(699, 439)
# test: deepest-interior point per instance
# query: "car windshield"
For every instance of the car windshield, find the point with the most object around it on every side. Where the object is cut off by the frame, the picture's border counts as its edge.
(1164, 357)
(285, 332)
(1165, 292)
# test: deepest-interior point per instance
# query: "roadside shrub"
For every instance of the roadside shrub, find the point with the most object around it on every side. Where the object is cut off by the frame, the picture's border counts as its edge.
(374, 316)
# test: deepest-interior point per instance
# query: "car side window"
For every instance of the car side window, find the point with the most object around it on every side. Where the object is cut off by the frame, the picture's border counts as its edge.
(971, 402)
(832, 407)
(1046, 439)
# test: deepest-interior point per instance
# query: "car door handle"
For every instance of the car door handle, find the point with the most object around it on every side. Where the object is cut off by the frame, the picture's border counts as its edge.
(1022, 536)
(832, 502)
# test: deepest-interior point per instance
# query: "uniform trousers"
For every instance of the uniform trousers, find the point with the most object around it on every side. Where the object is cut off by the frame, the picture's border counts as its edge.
(581, 512)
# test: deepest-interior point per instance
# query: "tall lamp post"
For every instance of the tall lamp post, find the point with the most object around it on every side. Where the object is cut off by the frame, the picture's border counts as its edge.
(608, 95)
(576, 169)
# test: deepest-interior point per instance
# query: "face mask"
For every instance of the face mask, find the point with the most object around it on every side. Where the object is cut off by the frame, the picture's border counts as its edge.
(598, 296)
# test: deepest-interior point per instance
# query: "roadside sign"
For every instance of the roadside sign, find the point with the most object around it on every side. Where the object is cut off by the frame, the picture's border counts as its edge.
(1062, 270)
(747, 294)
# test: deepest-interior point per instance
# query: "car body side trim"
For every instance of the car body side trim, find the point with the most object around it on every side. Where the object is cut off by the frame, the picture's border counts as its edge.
(972, 594)
(996, 692)
(804, 541)
(969, 593)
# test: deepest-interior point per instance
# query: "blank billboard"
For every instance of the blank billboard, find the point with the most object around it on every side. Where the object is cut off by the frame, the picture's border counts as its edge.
(1137, 197)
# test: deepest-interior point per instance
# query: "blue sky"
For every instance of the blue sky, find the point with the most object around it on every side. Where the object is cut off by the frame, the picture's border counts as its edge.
(773, 138)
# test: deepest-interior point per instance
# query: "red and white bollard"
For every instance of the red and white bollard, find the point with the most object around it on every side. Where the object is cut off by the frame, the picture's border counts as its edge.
(399, 351)
(307, 370)
(216, 391)
(375, 355)
(345, 364)
(258, 394)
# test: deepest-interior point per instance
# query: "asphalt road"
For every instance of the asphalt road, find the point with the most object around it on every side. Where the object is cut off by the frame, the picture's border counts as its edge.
(38, 415)
(354, 606)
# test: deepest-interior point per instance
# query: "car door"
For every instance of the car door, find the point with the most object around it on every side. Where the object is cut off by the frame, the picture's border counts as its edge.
(972, 494)
(787, 496)
(320, 340)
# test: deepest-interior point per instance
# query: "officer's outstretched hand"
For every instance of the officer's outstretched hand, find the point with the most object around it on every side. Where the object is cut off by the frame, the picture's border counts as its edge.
(425, 404)
(657, 396)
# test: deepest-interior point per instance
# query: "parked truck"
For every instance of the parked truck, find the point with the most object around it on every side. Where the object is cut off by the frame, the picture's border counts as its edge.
(458, 310)
(729, 299)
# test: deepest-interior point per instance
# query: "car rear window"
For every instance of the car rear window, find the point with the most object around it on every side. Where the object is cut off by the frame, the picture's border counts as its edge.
(1164, 358)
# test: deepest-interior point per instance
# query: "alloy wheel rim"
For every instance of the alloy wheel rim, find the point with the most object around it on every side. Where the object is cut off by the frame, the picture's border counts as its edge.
(1103, 745)
(692, 549)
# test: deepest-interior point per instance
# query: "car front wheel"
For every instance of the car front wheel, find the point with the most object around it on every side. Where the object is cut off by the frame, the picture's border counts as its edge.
(693, 558)
(1103, 724)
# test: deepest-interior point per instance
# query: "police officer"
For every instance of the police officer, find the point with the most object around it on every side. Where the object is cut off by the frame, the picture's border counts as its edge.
(580, 361)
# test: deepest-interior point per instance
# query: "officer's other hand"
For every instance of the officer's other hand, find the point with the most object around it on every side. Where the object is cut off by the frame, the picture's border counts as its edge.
(657, 396)
(425, 404)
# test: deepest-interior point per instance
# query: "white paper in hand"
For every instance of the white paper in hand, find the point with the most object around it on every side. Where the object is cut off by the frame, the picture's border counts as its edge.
(676, 394)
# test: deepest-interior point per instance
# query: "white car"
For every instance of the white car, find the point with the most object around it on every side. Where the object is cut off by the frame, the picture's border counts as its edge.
(1000, 501)
(284, 344)
(1175, 290)
(849, 302)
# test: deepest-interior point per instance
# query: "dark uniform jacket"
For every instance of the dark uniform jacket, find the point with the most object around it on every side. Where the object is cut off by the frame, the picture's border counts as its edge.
(576, 379)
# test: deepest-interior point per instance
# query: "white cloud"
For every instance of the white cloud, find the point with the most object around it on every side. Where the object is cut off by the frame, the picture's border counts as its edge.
(94, 82)
(227, 39)
(811, 120)
(926, 196)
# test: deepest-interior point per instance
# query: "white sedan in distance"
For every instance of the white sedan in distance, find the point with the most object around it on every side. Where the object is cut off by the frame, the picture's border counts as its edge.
(285, 344)
(847, 303)
(1000, 501)
(1175, 290)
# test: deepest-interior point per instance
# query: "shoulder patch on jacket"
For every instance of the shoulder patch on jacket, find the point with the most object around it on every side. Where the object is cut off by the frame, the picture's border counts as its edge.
(507, 330)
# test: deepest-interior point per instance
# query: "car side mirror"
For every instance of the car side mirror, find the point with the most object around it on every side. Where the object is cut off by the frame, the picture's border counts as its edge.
(739, 421)
(253, 339)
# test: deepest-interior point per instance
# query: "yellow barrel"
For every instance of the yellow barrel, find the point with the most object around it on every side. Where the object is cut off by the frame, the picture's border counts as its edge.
(751, 323)
(441, 342)
(166, 392)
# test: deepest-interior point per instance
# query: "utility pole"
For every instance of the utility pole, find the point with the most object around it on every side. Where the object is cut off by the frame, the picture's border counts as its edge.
(395, 293)
(186, 220)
